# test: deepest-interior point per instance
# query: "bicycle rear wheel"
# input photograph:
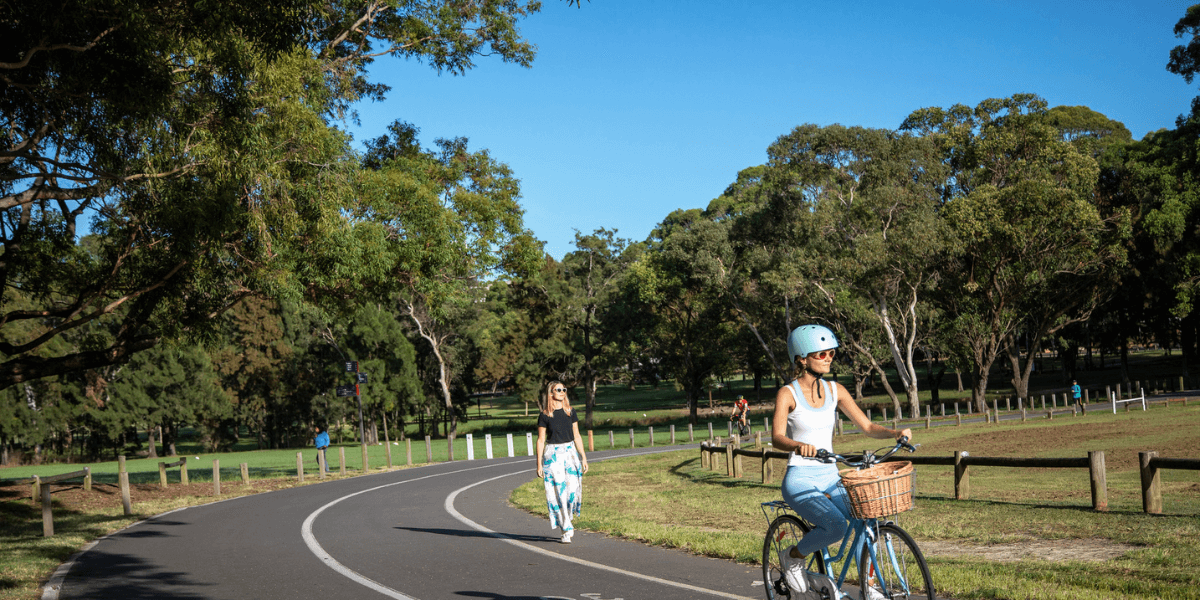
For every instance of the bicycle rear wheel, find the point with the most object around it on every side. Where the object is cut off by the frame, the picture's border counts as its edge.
(901, 574)
(783, 533)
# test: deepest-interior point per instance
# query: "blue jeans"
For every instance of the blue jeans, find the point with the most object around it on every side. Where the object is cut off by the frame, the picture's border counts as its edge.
(804, 489)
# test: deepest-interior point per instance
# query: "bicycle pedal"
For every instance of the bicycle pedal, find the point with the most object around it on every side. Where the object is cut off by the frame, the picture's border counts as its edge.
(823, 585)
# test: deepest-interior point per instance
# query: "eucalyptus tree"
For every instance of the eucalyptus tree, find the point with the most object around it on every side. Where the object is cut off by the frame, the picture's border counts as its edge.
(858, 207)
(439, 222)
(592, 273)
(197, 141)
(689, 318)
(1029, 244)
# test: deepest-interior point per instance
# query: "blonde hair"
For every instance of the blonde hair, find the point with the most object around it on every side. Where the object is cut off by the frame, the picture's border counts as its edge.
(550, 396)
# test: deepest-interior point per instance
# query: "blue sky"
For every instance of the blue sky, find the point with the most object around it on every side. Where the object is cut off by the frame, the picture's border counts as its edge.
(635, 108)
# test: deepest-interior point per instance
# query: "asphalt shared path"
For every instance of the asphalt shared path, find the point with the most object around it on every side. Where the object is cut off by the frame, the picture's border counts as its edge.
(444, 531)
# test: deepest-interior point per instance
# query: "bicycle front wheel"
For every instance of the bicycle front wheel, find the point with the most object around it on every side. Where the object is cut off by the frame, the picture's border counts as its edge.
(900, 573)
(783, 533)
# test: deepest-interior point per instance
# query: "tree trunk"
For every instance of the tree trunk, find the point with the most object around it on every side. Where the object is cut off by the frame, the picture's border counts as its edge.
(153, 446)
(887, 387)
(589, 390)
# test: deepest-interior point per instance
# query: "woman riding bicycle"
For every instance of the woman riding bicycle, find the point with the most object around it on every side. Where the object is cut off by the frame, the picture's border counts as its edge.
(805, 416)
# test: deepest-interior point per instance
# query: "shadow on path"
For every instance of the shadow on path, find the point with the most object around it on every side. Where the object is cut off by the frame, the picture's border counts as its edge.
(480, 534)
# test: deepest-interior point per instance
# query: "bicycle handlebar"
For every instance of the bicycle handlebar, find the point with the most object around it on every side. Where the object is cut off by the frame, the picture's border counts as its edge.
(868, 457)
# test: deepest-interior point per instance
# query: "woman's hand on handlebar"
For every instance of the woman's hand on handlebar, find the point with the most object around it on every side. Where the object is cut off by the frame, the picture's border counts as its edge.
(806, 450)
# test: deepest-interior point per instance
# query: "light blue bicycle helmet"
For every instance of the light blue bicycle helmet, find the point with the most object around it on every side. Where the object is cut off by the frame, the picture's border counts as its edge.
(806, 339)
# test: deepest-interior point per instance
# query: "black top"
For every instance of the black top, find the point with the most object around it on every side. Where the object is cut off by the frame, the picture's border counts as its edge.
(558, 427)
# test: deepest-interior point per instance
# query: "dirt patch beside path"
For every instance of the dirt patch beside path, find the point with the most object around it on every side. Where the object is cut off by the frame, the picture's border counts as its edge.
(1089, 550)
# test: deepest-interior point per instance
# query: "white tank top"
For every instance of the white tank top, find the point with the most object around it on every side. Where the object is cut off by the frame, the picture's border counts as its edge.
(809, 425)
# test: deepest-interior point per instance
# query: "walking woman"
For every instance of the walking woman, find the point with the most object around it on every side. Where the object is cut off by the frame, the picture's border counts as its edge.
(805, 416)
(560, 459)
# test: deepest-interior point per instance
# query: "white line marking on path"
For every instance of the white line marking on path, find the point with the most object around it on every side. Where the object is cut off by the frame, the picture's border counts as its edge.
(315, 547)
(579, 561)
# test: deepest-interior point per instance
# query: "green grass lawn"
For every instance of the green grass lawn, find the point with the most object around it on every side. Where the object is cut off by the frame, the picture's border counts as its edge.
(1015, 538)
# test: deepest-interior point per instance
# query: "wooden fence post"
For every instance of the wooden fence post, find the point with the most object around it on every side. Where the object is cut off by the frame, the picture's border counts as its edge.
(631, 442)
(216, 477)
(766, 467)
(47, 515)
(183, 473)
(428, 450)
(958, 417)
(710, 430)
(962, 481)
(450, 447)
(366, 467)
(123, 481)
(1151, 488)
(729, 468)
(408, 450)
(612, 441)
(300, 466)
(245, 468)
(162, 474)
(691, 433)
(342, 460)
(1099, 480)
(672, 434)
(651, 435)
(87, 479)
(703, 457)
(388, 447)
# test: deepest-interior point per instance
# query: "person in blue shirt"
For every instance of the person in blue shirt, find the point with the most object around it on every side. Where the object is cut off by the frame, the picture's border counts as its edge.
(1075, 390)
(321, 441)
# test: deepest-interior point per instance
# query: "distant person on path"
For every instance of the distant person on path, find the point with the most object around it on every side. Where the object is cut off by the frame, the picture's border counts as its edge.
(321, 441)
(561, 461)
(805, 416)
(1076, 391)
(741, 406)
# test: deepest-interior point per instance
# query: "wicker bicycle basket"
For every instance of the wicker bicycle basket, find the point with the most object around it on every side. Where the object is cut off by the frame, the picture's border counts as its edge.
(880, 490)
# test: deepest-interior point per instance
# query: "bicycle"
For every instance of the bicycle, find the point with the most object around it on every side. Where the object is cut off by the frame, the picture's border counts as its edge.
(742, 427)
(890, 565)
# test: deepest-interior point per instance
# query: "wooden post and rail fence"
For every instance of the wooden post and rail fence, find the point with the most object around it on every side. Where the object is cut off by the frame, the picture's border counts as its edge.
(1150, 463)
(41, 490)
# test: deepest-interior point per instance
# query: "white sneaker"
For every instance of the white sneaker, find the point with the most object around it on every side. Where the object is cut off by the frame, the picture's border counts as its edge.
(793, 571)
(566, 538)
(873, 593)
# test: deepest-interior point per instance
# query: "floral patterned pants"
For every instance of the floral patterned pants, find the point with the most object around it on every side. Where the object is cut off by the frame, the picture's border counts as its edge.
(564, 483)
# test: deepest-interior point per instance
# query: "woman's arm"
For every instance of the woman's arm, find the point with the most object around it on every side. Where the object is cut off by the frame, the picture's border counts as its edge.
(579, 446)
(872, 430)
(541, 448)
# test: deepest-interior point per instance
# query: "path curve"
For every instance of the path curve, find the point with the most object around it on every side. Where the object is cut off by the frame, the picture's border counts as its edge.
(443, 531)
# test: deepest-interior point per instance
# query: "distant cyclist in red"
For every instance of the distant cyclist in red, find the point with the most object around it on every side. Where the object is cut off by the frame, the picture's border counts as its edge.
(740, 407)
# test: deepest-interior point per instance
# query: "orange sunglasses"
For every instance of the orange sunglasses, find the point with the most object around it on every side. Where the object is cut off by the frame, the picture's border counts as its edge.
(822, 354)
